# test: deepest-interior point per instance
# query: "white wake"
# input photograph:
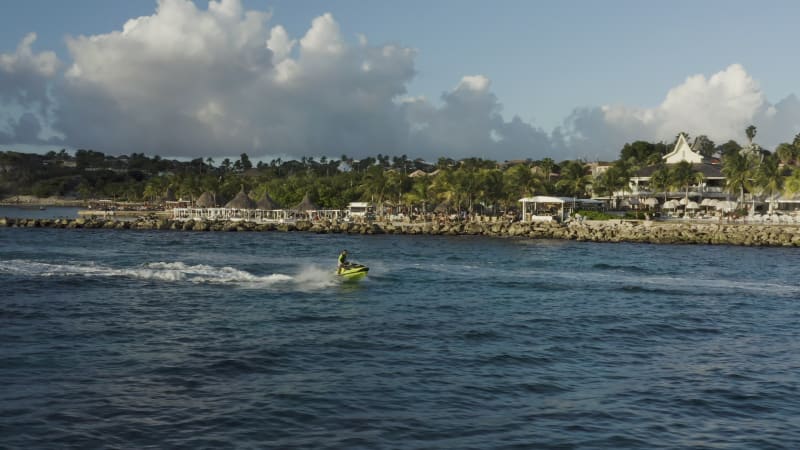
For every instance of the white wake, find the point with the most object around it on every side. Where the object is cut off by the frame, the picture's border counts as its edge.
(308, 278)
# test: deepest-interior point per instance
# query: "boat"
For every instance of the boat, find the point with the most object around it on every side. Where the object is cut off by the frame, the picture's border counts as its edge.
(353, 271)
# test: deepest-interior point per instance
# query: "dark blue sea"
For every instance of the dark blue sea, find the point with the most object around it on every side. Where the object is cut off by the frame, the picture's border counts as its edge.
(143, 339)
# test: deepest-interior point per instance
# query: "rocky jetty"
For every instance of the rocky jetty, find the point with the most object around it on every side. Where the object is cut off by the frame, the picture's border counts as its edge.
(654, 232)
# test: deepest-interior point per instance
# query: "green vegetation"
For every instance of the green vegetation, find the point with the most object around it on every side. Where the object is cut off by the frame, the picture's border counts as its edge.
(475, 185)
(596, 215)
(472, 184)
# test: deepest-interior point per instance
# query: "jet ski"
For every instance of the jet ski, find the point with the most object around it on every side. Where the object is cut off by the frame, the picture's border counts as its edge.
(353, 271)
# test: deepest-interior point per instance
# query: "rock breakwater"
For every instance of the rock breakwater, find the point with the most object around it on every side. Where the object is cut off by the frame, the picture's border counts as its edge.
(654, 232)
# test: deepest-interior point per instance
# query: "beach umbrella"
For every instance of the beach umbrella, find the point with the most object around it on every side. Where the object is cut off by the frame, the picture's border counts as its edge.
(671, 204)
(692, 205)
(709, 202)
(684, 201)
(650, 201)
(726, 205)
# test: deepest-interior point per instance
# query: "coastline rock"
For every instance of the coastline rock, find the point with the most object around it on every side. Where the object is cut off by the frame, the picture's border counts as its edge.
(652, 232)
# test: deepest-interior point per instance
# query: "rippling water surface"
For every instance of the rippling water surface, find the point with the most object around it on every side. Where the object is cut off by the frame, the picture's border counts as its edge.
(126, 339)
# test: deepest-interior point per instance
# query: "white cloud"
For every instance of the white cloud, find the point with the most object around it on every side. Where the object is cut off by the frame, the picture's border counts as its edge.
(187, 81)
(25, 100)
(24, 60)
(323, 37)
(721, 106)
(280, 44)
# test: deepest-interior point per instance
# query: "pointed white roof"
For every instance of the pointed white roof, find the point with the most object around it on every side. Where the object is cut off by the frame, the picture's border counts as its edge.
(682, 152)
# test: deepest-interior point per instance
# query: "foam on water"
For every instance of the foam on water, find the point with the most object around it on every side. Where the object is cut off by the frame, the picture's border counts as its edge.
(168, 271)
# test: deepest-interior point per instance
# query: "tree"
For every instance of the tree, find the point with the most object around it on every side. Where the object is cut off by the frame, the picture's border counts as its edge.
(574, 179)
(547, 165)
(751, 133)
(683, 175)
(661, 180)
(491, 191)
(769, 178)
(615, 179)
(518, 182)
(786, 153)
(737, 170)
(374, 184)
(640, 153)
(245, 162)
(704, 146)
(791, 185)
(418, 193)
(728, 148)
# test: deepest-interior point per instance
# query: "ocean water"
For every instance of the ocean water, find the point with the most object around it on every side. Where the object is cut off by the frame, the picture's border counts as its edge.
(144, 339)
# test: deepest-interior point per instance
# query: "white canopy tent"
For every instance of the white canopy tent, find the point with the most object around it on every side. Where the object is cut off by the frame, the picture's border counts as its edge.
(543, 207)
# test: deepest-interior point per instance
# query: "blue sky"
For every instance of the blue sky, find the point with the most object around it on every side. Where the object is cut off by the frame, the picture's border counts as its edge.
(597, 73)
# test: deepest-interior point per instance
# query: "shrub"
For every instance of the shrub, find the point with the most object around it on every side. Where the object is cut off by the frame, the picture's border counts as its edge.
(596, 215)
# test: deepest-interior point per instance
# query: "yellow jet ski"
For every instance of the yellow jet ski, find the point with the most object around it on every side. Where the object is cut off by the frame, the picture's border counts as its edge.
(353, 271)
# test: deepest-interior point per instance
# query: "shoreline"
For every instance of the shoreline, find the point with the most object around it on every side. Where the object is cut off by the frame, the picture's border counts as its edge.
(610, 231)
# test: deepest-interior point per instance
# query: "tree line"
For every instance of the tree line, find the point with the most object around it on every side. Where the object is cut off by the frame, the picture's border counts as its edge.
(471, 184)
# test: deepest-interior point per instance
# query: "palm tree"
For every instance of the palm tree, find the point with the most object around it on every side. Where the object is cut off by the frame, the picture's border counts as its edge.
(374, 184)
(683, 175)
(547, 165)
(791, 185)
(769, 179)
(661, 180)
(613, 180)
(786, 153)
(751, 133)
(574, 178)
(419, 193)
(518, 182)
(491, 182)
(737, 170)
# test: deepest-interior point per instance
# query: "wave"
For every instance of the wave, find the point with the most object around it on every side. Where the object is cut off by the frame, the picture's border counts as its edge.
(308, 278)
(604, 279)
(620, 268)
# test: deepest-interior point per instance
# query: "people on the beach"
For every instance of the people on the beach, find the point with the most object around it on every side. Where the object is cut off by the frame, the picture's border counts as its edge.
(342, 261)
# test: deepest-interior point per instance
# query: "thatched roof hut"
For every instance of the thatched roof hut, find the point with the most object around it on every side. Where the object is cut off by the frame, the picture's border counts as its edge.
(266, 202)
(206, 200)
(306, 205)
(241, 201)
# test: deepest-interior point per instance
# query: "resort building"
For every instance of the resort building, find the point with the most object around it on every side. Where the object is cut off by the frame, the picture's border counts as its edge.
(711, 186)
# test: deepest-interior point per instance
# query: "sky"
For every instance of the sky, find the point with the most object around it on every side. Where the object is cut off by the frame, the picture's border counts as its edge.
(456, 78)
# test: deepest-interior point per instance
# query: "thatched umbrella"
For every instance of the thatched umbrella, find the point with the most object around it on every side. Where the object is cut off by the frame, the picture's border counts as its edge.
(206, 200)
(650, 202)
(671, 204)
(241, 201)
(266, 202)
(306, 205)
